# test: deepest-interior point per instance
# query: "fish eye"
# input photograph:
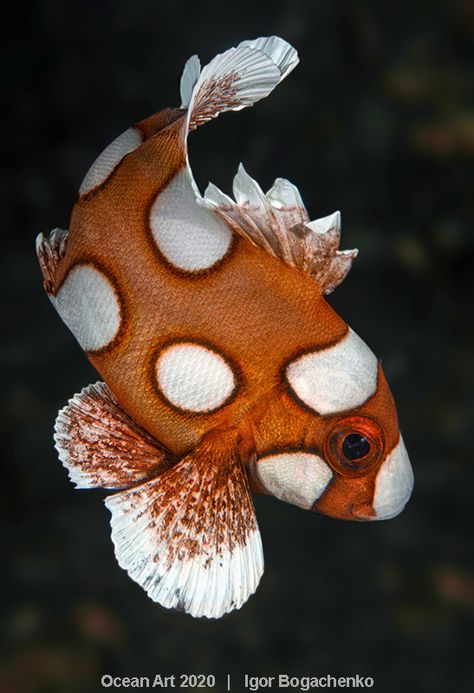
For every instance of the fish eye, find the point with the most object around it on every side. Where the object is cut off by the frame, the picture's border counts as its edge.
(354, 445)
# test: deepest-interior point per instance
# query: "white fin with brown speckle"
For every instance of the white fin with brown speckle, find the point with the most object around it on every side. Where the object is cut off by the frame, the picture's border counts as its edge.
(235, 79)
(279, 223)
(101, 446)
(190, 537)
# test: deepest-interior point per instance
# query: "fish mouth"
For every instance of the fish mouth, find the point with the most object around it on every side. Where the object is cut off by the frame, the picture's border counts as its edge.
(363, 512)
(367, 513)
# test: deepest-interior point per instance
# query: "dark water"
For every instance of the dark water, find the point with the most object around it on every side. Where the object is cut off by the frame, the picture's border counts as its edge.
(374, 122)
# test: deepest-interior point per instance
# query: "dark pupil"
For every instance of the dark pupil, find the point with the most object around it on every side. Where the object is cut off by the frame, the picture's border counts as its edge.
(355, 446)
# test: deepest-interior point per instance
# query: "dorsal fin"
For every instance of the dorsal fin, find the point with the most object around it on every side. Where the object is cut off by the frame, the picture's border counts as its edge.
(279, 223)
(235, 79)
(232, 81)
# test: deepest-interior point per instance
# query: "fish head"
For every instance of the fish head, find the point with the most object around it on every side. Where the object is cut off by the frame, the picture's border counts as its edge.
(350, 461)
(372, 475)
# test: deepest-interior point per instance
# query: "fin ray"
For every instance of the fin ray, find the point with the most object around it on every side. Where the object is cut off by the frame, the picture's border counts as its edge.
(50, 252)
(279, 223)
(235, 79)
(101, 446)
(190, 76)
(190, 537)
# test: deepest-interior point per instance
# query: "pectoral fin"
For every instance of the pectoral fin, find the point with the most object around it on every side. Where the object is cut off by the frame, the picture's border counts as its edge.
(190, 537)
(101, 446)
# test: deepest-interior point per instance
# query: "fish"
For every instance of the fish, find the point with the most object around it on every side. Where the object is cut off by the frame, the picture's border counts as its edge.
(225, 371)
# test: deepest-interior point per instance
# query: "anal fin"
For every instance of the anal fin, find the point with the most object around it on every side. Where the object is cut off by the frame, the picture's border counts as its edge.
(190, 537)
(101, 446)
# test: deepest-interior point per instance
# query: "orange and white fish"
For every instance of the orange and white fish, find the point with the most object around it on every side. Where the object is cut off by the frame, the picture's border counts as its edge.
(225, 370)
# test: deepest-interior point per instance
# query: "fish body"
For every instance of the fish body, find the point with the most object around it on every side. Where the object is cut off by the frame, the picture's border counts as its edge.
(225, 370)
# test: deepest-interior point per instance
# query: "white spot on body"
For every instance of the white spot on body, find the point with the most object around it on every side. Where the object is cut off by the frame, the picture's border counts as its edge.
(110, 158)
(194, 378)
(188, 234)
(88, 304)
(394, 483)
(299, 478)
(335, 379)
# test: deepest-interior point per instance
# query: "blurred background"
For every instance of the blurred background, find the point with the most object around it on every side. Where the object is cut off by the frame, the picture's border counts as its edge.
(374, 122)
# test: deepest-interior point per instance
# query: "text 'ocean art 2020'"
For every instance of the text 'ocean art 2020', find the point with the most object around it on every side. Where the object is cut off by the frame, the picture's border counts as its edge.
(225, 371)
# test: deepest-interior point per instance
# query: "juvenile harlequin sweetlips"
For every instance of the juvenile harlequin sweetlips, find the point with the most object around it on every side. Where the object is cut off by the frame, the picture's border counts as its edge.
(225, 371)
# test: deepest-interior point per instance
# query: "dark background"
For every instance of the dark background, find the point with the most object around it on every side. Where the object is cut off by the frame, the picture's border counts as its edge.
(374, 122)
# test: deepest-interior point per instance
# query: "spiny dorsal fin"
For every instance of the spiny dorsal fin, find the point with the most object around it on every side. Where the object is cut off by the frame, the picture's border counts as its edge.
(279, 223)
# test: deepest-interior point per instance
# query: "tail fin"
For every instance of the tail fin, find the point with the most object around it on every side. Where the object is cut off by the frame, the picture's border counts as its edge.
(235, 79)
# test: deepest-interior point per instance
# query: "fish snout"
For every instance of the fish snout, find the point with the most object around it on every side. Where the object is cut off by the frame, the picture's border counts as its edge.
(393, 484)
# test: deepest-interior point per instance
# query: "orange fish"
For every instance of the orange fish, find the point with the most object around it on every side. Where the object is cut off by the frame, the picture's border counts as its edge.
(225, 370)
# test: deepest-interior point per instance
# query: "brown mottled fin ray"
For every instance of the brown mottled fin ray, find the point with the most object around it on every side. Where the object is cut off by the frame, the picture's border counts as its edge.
(101, 446)
(50, 252)
(190, 537)
(279, 223)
